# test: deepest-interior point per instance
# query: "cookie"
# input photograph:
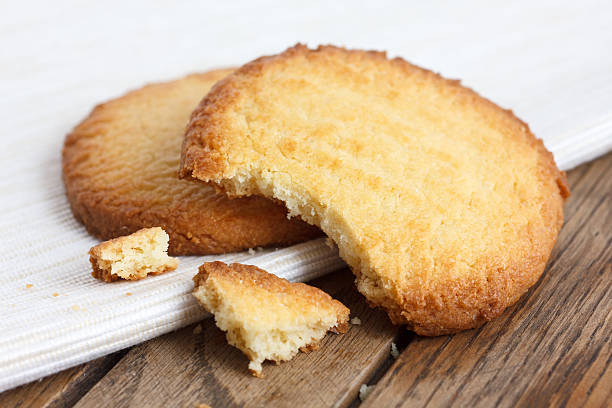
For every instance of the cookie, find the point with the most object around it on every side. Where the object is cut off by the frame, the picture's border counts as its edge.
(267, 317)
(133, 256)
(445, 206)
(120, 171)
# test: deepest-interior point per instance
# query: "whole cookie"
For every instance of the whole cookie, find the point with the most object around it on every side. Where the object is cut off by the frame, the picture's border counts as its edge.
(445, 206)
(120, 171)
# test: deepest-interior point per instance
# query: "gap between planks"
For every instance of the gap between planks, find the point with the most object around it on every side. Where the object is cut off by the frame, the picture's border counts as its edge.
(63, 389)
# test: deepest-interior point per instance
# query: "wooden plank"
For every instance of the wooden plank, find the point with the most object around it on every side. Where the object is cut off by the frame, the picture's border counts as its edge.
(565, 346)
(551, 349)
(63, 389)
(183, 368)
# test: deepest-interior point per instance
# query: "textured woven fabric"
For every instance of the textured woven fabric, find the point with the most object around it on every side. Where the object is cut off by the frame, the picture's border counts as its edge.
(550, 62)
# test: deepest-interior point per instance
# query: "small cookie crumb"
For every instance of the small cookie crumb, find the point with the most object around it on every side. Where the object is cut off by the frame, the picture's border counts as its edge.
(133, 256)
(356, 321)
(330, 243)
(55, 294)
(29, 285)
(364, 391)
(128, 294)
(76, 308)
(394, 351)
(197, 329)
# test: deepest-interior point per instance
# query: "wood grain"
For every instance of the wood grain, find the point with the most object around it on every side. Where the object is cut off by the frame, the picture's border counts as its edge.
(63, 389)
(551, 349)
(183, 368)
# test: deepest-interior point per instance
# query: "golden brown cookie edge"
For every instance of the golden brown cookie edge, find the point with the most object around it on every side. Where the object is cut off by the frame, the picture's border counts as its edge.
(267, 229)
(202, 160)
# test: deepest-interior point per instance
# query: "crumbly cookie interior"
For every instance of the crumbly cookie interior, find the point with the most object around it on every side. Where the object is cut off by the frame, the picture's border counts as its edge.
(134, 256)
(266, 317)
(445, 206)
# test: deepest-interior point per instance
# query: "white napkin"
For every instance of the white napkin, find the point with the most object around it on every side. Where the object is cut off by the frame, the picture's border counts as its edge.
(550, 62)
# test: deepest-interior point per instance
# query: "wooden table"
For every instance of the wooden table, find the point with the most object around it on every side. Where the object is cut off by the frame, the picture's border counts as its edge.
(551, 348)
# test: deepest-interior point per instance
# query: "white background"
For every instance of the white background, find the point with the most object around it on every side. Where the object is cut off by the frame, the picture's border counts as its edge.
(548, 60)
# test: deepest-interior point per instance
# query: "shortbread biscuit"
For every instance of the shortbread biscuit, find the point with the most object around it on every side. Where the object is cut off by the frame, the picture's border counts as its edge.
(267, 317)
(445, 206)
(133, 256)
(120, 171)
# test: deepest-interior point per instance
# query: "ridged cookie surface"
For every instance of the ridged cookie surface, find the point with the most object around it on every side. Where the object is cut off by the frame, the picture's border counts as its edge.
(445, 206)
(120, 170)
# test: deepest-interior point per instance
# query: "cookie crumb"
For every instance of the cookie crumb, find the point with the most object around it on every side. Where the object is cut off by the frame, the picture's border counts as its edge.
(364, 391)
(330, 243)
(394, 351)
(356, 321)
(197, 329)
(133, 256)
(128, 294)
(76, 308)
(244, 300)
(29, 285)
(55, 294)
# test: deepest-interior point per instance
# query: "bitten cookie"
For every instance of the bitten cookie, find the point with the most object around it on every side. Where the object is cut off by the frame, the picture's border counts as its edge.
(445, 206)
(120, 171)
(267, 317)
(133, 256)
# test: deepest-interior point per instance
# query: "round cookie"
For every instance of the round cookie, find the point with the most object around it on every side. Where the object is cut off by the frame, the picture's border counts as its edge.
(120, 171)
(445, 206)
